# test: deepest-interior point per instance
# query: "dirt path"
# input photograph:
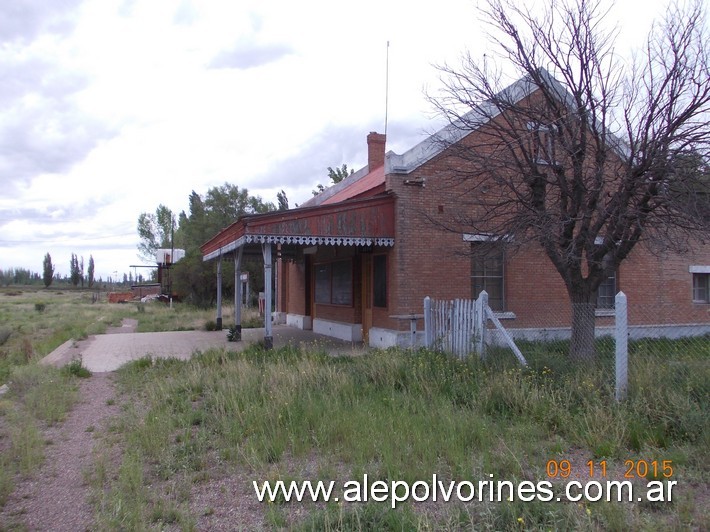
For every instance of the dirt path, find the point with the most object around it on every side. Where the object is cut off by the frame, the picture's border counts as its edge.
(56, 497)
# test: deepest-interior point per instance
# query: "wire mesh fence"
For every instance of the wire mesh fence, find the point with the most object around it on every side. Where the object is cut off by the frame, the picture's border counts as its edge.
(647, 350)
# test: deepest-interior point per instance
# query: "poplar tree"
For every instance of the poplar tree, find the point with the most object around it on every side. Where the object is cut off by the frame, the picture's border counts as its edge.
(47, 270)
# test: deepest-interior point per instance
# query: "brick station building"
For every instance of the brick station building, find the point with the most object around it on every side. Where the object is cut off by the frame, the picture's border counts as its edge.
(355, 261)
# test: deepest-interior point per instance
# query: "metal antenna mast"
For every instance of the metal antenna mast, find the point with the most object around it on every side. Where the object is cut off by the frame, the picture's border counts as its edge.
(387, 83)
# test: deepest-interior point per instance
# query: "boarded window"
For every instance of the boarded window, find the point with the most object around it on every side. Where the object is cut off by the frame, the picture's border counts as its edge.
(487, 273)
(334, 283)
(379, 281)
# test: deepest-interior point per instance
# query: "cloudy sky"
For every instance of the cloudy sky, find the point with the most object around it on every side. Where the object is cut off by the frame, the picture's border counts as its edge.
(109, 108)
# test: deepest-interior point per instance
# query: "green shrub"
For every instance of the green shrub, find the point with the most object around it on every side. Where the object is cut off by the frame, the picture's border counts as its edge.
(253, 322)
(76, 368)
(233, 335)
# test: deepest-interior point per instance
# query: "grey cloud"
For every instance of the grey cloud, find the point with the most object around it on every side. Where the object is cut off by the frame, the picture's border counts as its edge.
(244, 57)
(48, 139)
(54, 213)
(333, 147)
(23, 20)
(41, 129)
(34, 75)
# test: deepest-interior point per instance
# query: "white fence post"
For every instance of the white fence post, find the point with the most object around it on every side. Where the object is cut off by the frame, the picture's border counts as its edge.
(622, 346)
(506, 336)
(428, 332)
(481, 322)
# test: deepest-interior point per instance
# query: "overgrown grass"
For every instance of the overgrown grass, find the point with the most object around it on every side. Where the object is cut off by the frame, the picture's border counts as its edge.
(38, 396)
(27, 334)
(399, 415)
(30, 334)
(35, 322)
(393, 415)
(130, 504)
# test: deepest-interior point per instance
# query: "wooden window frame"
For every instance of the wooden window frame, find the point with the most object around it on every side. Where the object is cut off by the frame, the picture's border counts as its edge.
(333, 293)
(375, 299)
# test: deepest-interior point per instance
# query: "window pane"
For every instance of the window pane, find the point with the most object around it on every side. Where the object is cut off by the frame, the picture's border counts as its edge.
(342, 276)
(701, 287)
(487, 272)
(322, 283)
(379, 281)
(606, 293)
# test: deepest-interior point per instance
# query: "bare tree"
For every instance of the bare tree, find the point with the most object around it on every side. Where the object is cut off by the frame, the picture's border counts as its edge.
(586, 157)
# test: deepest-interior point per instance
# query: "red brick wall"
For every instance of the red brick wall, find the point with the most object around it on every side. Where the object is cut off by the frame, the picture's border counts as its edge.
(140, 291)
(120, 297)
(659, 286)
(429, 260)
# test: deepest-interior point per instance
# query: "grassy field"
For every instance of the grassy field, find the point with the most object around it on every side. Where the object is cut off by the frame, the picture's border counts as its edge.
(391, 415)
(398, 415)
(35, 321)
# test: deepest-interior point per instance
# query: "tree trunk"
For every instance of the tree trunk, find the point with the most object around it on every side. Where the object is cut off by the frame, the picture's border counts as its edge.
(582, 348)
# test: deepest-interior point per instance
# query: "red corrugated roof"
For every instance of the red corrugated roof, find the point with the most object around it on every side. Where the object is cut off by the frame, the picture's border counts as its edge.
(359, 188)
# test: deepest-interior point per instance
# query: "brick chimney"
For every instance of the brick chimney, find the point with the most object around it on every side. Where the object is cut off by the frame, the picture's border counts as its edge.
(375, 150)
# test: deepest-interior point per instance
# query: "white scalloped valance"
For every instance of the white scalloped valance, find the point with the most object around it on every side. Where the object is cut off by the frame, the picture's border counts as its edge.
(300, 240)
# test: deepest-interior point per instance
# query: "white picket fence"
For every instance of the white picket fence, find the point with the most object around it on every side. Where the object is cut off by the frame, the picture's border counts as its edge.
(460, 326)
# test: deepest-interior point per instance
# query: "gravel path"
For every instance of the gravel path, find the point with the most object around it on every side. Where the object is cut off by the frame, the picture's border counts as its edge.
(56, 497)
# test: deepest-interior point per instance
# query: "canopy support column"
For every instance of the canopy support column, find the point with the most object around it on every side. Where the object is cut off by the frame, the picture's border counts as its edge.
(238, 293)
(219, 293)
(268, 333)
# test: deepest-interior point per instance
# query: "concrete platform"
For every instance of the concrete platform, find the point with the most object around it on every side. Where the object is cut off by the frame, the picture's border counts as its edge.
(108, 352)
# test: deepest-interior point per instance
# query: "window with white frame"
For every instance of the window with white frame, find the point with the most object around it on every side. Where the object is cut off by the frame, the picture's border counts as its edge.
(487, 272)
(701, 283)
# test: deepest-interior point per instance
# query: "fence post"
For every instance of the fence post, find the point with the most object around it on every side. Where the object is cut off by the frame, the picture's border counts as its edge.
(428, 333)
(622, 346)
(481, 305)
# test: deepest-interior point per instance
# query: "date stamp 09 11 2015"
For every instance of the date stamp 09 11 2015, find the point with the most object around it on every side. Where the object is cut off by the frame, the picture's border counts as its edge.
(641, 469)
